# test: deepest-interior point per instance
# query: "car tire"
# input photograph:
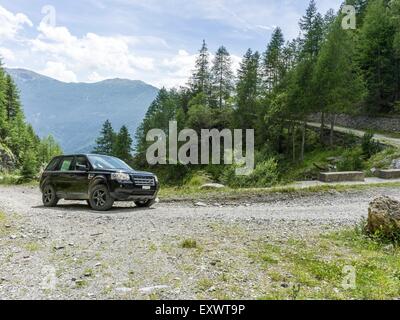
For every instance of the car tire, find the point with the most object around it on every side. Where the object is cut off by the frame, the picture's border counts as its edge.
(49, 196)
(100, 198)
(145, 204)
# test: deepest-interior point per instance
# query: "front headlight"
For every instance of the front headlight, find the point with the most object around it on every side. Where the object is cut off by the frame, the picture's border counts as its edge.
(156, 179)
(119, 176)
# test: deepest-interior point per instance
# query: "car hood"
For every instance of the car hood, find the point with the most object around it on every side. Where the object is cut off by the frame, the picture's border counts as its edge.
(132, 172)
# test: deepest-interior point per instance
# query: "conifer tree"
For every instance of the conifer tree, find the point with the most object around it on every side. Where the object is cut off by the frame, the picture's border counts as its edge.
(273, 60)
(222, 78)
(201, 77)
(106, 140)
(123, 145)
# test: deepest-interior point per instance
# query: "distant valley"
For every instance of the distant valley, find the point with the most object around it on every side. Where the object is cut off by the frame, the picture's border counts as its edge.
(74, 112)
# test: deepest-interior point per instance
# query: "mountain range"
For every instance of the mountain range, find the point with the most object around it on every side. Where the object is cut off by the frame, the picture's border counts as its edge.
(74, 112)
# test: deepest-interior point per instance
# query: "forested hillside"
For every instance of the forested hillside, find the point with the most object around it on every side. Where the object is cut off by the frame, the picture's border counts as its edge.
(21, 150)
(327, 70)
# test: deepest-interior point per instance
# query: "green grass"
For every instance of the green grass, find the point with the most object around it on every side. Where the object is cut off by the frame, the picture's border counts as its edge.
(226, 194)
(315, 268)
(189, 244)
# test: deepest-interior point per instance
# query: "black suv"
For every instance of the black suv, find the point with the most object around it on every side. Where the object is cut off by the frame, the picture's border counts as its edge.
(98, 179)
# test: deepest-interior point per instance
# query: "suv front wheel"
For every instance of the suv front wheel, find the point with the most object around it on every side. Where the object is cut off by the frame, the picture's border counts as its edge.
(100, 198)
(49, 196)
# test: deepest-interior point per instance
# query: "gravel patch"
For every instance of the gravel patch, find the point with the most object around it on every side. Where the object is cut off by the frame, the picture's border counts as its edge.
(71, 252)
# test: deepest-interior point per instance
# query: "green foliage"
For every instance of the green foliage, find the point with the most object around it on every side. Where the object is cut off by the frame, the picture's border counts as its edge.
(325, 70)
(189, 244)
(264, 175)
(106, 140)
(27, 150)
(123, 145)
(29, 165)
(370, 146)
(352, 160)
(197, 179)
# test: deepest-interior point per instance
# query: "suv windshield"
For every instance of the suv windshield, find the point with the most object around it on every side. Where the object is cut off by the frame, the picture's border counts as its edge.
(105, 162)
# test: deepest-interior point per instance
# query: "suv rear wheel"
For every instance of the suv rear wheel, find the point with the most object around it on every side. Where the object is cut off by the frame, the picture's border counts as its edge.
(100, 198)
(145, 204)
(49, 196)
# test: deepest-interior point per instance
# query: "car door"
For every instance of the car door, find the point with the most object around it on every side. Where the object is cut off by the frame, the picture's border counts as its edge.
(64, 180)
(80, 178)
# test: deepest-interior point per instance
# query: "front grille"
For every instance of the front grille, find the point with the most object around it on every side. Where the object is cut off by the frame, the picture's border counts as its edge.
(144, 181)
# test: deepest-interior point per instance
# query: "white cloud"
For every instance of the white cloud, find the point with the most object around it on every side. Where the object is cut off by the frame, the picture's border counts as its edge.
(91, 54)
(59, 71)
(11, 23)
(7, 54)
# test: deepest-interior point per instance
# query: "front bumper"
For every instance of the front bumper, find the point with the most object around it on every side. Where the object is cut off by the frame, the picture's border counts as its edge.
(130, 192)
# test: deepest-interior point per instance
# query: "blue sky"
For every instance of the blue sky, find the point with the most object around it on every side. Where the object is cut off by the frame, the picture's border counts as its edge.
(149, 40)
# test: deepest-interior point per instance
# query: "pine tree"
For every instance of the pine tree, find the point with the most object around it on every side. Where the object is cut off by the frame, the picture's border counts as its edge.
(375, 55)
(312, 28)
(339, 87)
(13, 107)
(247, 90)
(200, 82)
(222, 77)
(273, 62)
(105, 142)
(123, 145)
(48, 148)
(3, 113)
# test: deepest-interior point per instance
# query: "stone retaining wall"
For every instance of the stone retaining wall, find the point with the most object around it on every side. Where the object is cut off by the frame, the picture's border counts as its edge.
(362, 122)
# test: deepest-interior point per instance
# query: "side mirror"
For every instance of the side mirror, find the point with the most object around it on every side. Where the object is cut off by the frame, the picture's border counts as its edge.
(80, 167)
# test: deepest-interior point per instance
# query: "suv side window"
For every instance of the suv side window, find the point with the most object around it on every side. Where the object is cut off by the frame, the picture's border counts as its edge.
(81, 161)
(53, 164)
(66, 164)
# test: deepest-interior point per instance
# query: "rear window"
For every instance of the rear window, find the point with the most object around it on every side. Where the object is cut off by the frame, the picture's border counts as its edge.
(53, 164)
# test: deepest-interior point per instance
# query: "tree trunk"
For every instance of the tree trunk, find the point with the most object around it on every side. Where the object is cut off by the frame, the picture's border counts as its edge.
(303, 140)
(280, 139)
(321, 133)
(333, 121)
(294, 142)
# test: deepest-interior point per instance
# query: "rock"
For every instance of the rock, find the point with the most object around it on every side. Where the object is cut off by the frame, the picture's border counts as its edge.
(124, 290)
(149, 290)
(59, 247)
(209, 186)
(8, 161)
(200, 204)
(13, 236)
(384, 216)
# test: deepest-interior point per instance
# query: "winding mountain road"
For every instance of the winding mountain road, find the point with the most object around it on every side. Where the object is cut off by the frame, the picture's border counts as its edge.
(382, 138)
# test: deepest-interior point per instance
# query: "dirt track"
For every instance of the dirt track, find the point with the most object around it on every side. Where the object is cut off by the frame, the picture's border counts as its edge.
(130, 253)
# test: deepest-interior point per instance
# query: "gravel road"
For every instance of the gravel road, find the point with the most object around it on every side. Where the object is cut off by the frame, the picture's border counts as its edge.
(71, 252)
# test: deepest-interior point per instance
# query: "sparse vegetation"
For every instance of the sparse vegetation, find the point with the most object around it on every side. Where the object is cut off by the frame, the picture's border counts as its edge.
(189, 244)
(315, 268)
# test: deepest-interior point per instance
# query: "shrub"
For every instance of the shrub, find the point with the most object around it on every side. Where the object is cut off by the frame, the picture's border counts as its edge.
(197, 179)
(370, 146)
(264, 175)
(351, 161)
(189, 244)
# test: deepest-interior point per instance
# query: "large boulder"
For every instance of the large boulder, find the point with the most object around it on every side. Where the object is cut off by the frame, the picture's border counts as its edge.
(7, 159)
(384, 216)
(211, 186)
